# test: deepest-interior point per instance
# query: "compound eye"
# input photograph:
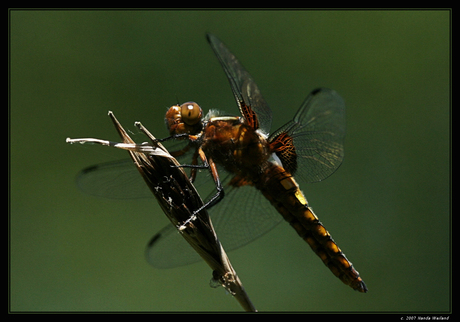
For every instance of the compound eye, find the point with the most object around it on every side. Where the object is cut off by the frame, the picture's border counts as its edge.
(190, 113)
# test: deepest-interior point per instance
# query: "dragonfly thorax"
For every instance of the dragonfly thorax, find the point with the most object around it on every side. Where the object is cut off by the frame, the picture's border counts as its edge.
(236, 146)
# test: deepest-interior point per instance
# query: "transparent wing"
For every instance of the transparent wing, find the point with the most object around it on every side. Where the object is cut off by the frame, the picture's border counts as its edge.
(246, 92)
(318, 131)
(114, 180)
(241, 217)
(120, 179)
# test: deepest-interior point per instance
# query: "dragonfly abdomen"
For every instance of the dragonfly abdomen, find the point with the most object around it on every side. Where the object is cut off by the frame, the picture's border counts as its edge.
(280, 188)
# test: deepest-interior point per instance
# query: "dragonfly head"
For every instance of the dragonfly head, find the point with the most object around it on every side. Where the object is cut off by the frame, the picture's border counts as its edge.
(185, 118)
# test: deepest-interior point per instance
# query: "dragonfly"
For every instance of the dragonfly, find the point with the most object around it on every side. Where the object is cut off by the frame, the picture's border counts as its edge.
(252, 169)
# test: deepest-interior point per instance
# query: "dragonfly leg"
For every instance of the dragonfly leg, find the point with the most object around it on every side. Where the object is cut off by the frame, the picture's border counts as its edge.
(175, 136)
(208, 163)
(192, 166)
(181, 152)
(194, 171)
(178, 136)
(215, 175)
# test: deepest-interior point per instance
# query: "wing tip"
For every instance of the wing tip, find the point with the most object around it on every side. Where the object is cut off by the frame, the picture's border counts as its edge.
(153, 240)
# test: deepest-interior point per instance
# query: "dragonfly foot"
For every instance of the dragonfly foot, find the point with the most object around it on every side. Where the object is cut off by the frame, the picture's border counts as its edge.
(186, 223)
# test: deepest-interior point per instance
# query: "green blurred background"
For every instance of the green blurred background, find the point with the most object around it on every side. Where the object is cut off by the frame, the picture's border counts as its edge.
(387, 206)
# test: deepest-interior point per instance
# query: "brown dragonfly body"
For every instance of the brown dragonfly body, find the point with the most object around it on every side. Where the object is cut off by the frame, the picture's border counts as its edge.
(245, 152)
